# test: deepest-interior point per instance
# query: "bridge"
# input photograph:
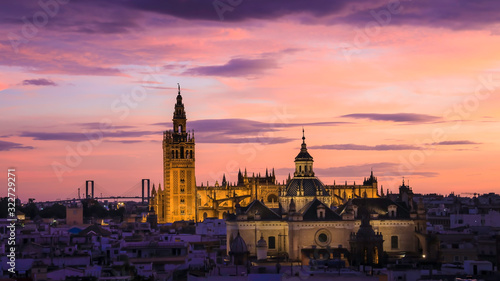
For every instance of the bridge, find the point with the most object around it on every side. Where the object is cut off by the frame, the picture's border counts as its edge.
(97, 192)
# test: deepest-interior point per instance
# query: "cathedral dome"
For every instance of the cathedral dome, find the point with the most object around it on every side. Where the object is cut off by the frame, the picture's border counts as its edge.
(307, 186)
(238, 246)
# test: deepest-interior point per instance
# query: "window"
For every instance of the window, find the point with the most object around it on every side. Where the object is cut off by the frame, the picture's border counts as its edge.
(394, 242)
(272, 242)
(322, 238)
(272, 198)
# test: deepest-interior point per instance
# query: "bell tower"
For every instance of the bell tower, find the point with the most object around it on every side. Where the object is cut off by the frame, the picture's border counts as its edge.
(178, 169)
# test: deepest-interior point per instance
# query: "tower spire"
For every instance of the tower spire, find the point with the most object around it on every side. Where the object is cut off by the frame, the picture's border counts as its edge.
(303, 161)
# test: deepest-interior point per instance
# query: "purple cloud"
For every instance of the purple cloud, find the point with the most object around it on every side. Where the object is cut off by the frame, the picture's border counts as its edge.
(91, 135)
(102, 126)
(126, 15)
(256, 9)
(380, 147)
(234, 68)
(242, 130)
(39, 82)
(386, 147)
(460, 142)
(7, 145)
(243, 126)
(453, 14)
(381, 169)
(231, 140)
(394, 117)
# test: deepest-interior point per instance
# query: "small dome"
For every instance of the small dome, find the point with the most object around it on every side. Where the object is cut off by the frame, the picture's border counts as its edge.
(303, 156)
(261, 243)
(365, 231)
(238, 246)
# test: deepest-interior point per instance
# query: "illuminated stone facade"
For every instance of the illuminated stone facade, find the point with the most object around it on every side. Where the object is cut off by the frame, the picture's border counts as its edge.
(181, 199)
(308, 221)
(177, 200)
(219, 200)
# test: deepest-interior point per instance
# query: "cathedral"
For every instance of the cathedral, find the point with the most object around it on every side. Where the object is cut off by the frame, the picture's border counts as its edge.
(309, 225)
(181, 199)
(300, 218)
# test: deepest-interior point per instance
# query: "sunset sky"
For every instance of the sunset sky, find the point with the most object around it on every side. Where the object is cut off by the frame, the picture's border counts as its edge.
(406, 88)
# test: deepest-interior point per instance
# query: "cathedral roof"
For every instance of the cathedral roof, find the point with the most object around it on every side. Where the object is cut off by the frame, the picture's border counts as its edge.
(309, 212)
(378, 206)
(257, 207)
(308, 185)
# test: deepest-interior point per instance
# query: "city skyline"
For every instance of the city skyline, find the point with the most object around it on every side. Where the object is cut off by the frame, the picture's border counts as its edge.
(88, 95)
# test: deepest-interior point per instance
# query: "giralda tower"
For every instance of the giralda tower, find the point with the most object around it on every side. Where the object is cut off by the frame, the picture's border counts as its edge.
(179, 194)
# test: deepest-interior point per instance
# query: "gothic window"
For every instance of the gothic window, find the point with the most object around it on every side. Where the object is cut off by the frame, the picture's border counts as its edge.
(173, 154)
(187, 154)
(182, 152)
(177, 154)
(183, 200)
(272, 198)
(180, 128)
